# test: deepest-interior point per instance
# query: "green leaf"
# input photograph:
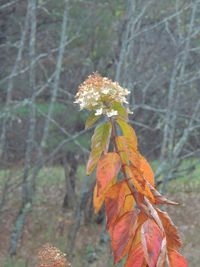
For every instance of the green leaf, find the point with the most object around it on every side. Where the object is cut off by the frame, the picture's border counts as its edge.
(122, 111)
(128, 131)
(100, 143)
(91, 120)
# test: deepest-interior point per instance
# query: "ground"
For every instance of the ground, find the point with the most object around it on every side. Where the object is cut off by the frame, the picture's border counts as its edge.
(47, 223)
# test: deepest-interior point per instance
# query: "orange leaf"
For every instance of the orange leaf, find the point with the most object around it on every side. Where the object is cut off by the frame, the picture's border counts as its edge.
(115, 200)
(146, 170)
(159, 199)
(107, 168)
(171, 231)
(139, 182)
(176, 259)
(98, 200)
(123, 233)
(152, 238)
(127, 149)
(128, 203)
(128, 132)
(129, 153)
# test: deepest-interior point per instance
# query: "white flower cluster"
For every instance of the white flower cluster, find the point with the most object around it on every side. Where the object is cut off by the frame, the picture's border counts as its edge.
(98, 93)
(109, 113)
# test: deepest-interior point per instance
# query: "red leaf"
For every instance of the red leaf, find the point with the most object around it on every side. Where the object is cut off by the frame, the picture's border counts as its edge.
(122, 234)
(152, 238)
(176, 259)
(171, 231)
(136, 256)
(115, 200)
(162, 257)
(107, 169)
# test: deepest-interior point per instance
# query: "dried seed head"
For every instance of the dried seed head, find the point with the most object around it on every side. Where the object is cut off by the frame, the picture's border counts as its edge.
(97, 94)
(50, 256)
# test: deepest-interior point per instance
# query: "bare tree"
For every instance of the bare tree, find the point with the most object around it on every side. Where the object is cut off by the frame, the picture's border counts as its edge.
(29, 186)
(27, 190)
(173, 143)
(7, 107)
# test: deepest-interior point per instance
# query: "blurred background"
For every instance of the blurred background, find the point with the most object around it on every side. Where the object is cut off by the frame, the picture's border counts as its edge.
(47, 48)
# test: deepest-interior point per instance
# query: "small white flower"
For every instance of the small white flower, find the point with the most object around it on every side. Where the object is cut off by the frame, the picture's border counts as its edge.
(98, 112)
(93, 104)
(129, 111)
(96, 97)
(111, 113)
(105, 90)
(124, 100)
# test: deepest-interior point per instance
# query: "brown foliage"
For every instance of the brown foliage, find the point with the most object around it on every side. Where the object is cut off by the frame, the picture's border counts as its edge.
(50, 256)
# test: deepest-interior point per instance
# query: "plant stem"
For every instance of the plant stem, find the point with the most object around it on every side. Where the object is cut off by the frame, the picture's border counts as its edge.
(126, 178)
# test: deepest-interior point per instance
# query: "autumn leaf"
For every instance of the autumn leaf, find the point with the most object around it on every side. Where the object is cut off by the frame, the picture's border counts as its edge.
(128, 132)
(98, 200)
(100, 142)
(91, 120)
(116, 199)
(126, 150)
(136, 256)
(139, 182)
(152, 238)
(159, 199)
(125, 145)
(128, 203)
(146, 169)
(176, 259)
(162, 257)
(136, 253)
(171, 231)
(152, 213)
(129, 153)
(122, 234)
(107, 168)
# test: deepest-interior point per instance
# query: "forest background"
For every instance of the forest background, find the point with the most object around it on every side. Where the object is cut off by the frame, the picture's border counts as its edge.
(47, 48)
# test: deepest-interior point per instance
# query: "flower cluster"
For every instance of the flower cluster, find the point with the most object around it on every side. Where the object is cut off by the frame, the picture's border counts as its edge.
(98, 93)
(50, 256)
